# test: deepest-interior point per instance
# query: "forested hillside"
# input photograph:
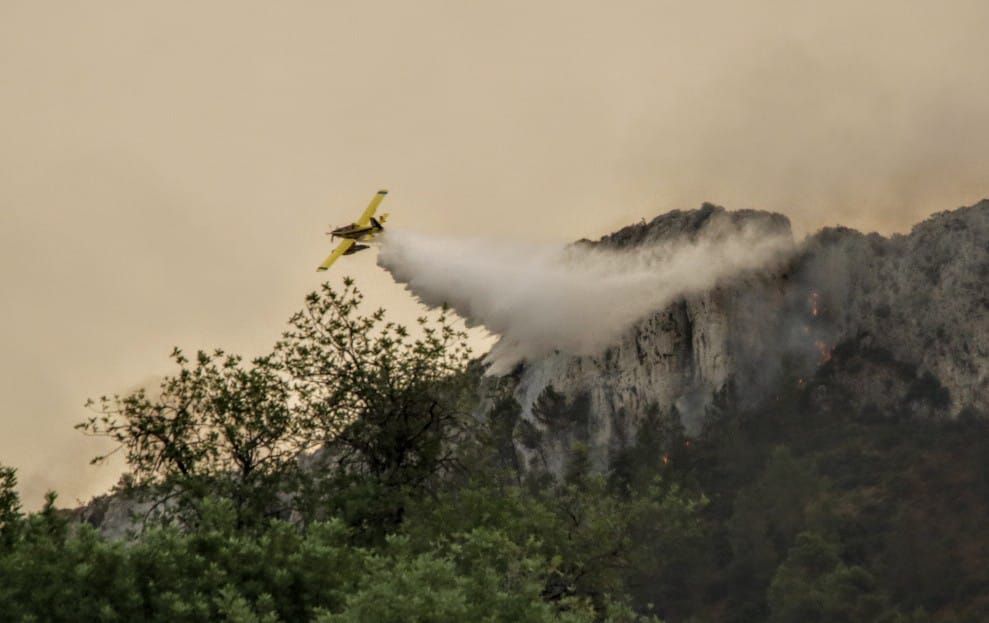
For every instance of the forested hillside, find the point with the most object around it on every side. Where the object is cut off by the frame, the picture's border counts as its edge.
(362, 471)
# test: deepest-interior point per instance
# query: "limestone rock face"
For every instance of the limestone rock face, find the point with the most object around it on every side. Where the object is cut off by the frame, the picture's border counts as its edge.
(920, 300)
(116, 515)
(901, 322)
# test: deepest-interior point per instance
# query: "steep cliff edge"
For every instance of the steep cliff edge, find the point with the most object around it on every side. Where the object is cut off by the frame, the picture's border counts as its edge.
(900, 325)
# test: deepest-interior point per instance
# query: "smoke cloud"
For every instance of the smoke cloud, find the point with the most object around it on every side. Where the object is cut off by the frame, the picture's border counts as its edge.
(576, 299)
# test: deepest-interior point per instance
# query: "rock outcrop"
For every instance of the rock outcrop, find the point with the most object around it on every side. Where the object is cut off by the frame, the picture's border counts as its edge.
(901, 323)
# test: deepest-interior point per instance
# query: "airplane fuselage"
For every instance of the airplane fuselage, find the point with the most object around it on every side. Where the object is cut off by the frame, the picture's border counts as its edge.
(353, 232)
(356, 232)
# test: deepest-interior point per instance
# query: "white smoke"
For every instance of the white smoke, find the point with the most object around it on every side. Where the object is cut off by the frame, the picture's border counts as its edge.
(576, 299)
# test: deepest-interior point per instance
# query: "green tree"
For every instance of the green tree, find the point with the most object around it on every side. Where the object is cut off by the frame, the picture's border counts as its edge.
(10, 506)
(389, 406)
(219, 427)
(767, 516)
(380, 406)
(813, 584)
(597, 545)
(479, 576)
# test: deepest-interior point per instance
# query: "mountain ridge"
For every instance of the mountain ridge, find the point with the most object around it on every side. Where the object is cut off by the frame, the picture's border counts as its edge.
(900, 322)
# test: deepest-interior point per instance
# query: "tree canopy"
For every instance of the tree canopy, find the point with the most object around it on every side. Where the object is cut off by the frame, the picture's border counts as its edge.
(344, 476)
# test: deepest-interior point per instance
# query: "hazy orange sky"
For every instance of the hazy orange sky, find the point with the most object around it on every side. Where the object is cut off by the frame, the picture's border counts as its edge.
(167, 169)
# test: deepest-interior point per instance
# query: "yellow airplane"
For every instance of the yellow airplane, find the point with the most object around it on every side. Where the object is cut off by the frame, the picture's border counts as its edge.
(362, 230)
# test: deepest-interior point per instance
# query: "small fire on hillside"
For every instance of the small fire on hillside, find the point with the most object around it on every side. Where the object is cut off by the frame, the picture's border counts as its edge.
(815, 303)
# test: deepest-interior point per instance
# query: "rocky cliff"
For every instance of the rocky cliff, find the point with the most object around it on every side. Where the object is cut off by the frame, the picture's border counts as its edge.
(900, 325)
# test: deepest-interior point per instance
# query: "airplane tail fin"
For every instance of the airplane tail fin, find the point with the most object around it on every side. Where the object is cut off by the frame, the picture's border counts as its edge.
(377, 224)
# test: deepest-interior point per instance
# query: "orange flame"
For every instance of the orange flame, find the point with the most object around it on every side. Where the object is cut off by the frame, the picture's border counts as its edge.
(815, 303)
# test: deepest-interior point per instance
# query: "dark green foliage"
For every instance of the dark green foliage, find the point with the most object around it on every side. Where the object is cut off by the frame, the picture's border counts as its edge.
(171, 575)
(505, 430)
(217, 427)
(767, 516)
(10, 506)
(341, 478)
(814, 585)
(553, 411)
(388, 408)
(600, 545)
(474, 566)
(658, 439)
(481, 575)
(378, 533)
(903, 500)
(381, 407)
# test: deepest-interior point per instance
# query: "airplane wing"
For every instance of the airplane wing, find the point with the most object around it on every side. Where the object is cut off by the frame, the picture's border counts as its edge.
(337, 252)
(365, 218)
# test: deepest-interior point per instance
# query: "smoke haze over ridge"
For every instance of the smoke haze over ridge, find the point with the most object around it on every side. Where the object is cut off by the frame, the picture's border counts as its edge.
(168, 168)
(576, 299)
